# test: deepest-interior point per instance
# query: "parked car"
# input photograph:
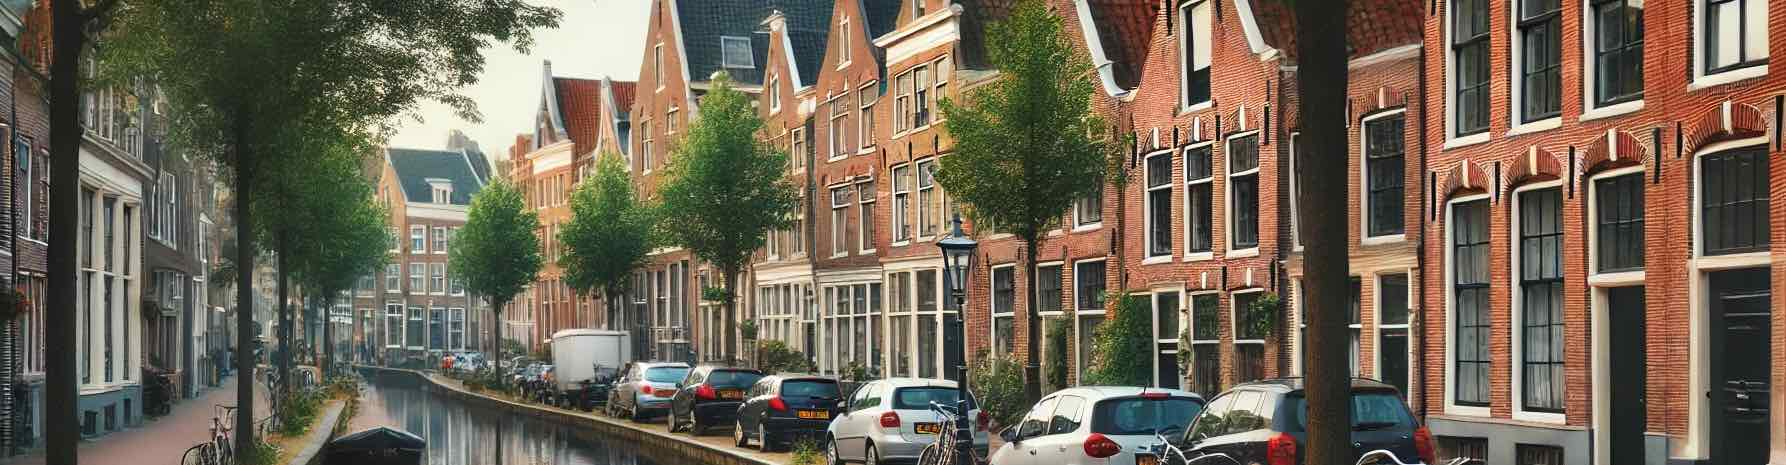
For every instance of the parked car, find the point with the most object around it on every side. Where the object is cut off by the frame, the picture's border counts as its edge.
(891, 420)
(709, 396)
(1265, 422)
(782, 408)
(1101, 424)
(645, 388)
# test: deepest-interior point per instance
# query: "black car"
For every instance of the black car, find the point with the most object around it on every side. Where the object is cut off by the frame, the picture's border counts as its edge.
(780, 408)
(1264, 422)
(709, 397)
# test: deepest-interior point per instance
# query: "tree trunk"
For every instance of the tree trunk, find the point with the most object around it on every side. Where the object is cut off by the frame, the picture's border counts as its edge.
(1321, 83)
(328, 338)
(501, 379)
(285, 329)
(245, 361)
(731, 276)
(1032, 364)
(61, 369)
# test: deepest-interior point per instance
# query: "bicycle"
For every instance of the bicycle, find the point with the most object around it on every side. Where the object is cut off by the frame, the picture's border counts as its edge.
(223, 420)
(945, 449)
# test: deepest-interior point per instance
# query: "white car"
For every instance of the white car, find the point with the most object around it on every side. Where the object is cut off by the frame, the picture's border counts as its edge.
(1096, 425)
(890, 420)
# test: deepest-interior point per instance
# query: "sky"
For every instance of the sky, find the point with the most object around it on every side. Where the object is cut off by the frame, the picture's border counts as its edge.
(594, 38)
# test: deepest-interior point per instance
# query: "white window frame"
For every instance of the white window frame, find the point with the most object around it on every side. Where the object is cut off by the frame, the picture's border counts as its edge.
(1698, 438)
(1516, 74)
(1701, 77)
(645, 145)
(840, 216)
(774, 91)
(394, 309)
(901, 218)
(834, 124)
(865, 200)
(1590, 72)
(934, 191)
(418, 239)
(1234, 331)
(1297, 323)
(440, 241)
(1452, 140)
(393, 278)
(1153, 303)
(750, 54)
(418, 278)
(1364, 195)
(1516, 324)
(992, 308)
(657, 65)
(1180, 153)
(437, 278)
(844, 39)
(1450, 265)
(1079, 314)
(1187, 14)
(1595, 277)
(669, 128)
(1600, 325)
(797, 148)
(1295, 190)
(1376, 334)
(1083, 204)
(1228, 192)
(1147, 204)
(866, 98)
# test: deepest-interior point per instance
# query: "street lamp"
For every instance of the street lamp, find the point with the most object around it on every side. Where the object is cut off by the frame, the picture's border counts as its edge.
(958, 262)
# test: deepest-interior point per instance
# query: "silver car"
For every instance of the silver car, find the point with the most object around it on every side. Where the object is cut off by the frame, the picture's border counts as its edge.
(645, 389)
(1096, 424)
(890, 420)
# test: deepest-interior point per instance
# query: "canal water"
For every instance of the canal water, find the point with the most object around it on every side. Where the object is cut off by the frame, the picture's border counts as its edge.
(460, 434)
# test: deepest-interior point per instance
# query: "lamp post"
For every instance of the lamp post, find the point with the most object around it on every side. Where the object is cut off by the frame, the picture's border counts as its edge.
(958, 262)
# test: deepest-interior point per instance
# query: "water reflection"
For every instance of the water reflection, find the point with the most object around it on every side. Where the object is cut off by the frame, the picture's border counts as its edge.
(460, 434)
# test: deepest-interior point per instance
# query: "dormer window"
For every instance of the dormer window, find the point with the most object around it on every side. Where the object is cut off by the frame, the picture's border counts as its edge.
(734, 52)
(442, 191)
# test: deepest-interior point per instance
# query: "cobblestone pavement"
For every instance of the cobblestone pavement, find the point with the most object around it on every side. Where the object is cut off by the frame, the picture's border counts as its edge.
(159, 441)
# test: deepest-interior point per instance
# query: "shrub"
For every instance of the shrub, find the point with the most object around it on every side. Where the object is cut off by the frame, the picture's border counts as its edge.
(855, 372)
(1117, 359)
(805, 452)
(1057, 354)
(777, 357)
(998, 386)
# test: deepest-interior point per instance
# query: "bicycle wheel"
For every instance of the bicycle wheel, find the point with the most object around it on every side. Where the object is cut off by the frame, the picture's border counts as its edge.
(932, 455)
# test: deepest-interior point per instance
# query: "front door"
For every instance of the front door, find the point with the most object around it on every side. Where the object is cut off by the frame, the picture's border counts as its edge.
(1741, 359)
(1625, 351)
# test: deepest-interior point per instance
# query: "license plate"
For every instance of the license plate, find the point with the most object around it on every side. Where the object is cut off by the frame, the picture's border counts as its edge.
(927, 428)
(731, 394)
(1146, 459)
(664, 392)
(814, 414)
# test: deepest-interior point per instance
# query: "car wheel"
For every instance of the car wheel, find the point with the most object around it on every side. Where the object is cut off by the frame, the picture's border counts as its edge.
(767, 443)
(872, 456)
(738, 438)
(672, 419)
(831, 457)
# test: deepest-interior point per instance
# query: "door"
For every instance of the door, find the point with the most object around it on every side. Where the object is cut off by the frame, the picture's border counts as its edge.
(1625, 370)
(862, 419)
(1741, 359)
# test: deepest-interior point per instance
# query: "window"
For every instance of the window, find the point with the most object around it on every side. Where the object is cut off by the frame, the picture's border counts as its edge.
(1243, 194)
(22, 152)
(418, 241)
(797, 148)
(917, 8)
(1392, 330)
(1734, 215)
(1199, 208)
(840, 218)
(921, 96)
(774, 88)
(365, 286)
(1194, 45)
(1353, 325)
(843, 42)
(865, 215)
(418, 276)
(440, 240)
(866, 96)
(1616, 27)
(1618, 223)
(167, 219)
(1088, 211)
(902, 103)
(838, 140)
(1206, 358)
(1469, 57)
(734, 52)
(1004, 300)
(1088, 285)
(929, 219)
(456, 328)
(670, 117)
(415, 330)
(1249, 343)
(393, 278)
(1048, 298)
(1539, 59)
(436, 328)
(942, 68)
(645, 145)
(457, 286)
(1159, 204)
(393, 325)
(902, 229)
(1530, 454)
(657, 65)
(437, 278)
(1384, 148)
(1475, 450)
(1469, 300)
(1735, 34)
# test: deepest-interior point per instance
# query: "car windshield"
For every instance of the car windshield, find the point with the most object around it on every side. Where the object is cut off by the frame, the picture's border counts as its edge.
(733, 378)
(1371, 410)
(665, 374)
(814, 388)
(919, 398)
(1139, 416)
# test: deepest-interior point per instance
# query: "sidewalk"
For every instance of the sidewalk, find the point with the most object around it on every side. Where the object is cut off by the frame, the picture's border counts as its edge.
(160, 441)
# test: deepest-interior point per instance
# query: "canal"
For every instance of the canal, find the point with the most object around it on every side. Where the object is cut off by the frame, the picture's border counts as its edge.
(460, 434)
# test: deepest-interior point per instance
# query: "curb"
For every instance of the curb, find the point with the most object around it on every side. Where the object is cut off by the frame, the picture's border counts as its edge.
(319, 435)
(659, 445)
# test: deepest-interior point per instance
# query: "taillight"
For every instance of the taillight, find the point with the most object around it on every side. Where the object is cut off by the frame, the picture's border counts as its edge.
(777, 404)
(1098, 446)
(1281, 450)
(705, 392)
(982, 420)
(645, 389)
(1423, 445)
(1155, 395)
(890, 420)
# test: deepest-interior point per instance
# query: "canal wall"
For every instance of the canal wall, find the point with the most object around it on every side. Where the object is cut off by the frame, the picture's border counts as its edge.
(320, 434)
(659, 446)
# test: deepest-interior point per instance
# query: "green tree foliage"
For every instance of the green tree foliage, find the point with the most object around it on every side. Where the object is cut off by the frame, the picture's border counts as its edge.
(609, 235)
(496, 253)
(998, 386)
(1058, 333)
(1027, 144)
(725, 189)
(1118, 360)
(343, 233)
(777, 357)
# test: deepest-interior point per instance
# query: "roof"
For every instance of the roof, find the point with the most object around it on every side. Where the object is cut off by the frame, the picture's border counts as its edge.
(480, 163)
(809, 53)
(579, 107)
(1124, 29)
(415, 167)
(703, 22)
(882, 15)
(1371, 25)
(1296, 384)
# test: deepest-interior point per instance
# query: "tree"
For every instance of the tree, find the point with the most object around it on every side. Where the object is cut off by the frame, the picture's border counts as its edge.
(1027, 145)
(1321, 77)
(609, 235)
(496, 253)
(240, 76)
(725, 189)
(343, 233)
(1120, 361)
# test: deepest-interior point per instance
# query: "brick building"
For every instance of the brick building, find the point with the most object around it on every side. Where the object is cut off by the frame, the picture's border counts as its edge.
(26, 91)
(780, 285)
(414, 309)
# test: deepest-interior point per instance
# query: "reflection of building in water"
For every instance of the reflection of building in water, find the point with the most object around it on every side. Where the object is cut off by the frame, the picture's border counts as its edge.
(461, 435)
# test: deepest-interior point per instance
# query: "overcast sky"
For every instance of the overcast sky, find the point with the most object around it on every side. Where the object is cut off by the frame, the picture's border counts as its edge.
(595, 38)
